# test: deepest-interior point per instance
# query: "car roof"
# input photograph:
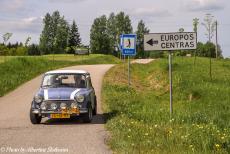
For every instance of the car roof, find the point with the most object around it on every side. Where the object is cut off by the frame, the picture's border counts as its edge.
(67, 72)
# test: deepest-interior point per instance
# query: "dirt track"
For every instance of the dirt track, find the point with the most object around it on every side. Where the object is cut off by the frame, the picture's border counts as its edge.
(17, 132)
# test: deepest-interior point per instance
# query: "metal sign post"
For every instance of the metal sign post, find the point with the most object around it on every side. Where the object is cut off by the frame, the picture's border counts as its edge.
(170, 42)
(170, 83)
(129, 70)
(128, 46)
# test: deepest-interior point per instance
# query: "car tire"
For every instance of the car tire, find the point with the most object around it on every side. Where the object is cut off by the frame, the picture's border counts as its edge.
(35, 118)
(87, 118)
(95, 106)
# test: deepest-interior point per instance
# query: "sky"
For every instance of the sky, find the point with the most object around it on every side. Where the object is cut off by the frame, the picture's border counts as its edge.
(24, 18)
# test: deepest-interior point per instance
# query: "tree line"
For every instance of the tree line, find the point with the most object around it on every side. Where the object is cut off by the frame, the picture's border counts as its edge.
(105, 33)
(58, 36)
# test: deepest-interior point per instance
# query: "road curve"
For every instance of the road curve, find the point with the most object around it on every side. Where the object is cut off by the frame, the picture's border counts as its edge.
(57, 136)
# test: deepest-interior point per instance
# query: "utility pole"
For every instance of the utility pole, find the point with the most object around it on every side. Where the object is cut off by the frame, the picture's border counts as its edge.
(216, 40)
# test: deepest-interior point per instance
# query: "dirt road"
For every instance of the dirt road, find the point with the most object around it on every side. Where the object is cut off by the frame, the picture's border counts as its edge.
(52, 136)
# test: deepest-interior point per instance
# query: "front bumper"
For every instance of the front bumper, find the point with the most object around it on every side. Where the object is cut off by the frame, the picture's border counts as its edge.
(45, 113)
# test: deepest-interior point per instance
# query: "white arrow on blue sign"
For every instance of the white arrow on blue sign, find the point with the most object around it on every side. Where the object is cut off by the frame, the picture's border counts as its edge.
(128, 44)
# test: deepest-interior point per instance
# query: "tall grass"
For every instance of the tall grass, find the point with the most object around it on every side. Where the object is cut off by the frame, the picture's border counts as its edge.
(17, 70)
(141, 123)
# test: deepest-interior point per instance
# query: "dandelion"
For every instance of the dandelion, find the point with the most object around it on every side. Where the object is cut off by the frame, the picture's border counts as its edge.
(132, 122)
(222, 137)
(129, 130)
(155, 126)
(146, 134)
(190, 146)
(217, 146)
(129, 136)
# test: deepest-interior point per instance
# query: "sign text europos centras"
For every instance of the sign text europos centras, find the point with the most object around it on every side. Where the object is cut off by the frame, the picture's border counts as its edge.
(170, 41)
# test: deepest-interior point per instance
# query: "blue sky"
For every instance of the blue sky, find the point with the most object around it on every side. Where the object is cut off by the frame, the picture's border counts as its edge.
(24, 17)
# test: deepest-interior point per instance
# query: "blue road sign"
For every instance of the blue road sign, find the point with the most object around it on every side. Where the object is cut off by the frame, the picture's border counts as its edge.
(128, 43)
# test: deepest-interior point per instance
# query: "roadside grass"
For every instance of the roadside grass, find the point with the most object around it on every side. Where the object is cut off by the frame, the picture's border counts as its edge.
(139, 119)
(98, 58)
(17, 70)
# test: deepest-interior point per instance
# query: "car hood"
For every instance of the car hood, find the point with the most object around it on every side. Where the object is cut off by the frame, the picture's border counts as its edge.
(59, 93)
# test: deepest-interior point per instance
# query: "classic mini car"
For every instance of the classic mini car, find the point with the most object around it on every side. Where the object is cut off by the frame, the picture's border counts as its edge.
(64, 94)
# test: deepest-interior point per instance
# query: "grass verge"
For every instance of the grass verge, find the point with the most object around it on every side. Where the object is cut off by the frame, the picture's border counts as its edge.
(17, 70)
(139, 119)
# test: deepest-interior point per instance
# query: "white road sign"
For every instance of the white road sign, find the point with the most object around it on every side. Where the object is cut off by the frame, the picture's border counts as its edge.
(170, 41)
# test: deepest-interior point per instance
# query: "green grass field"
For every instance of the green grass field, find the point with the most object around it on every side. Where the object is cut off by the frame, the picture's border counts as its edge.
(16, 70)
(139, 119)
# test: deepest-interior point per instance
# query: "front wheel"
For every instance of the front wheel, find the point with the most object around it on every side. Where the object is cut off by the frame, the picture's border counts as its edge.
(87, 118)
(35, 118)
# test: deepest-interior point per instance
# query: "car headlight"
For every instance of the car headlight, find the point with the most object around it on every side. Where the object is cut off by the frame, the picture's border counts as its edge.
(79, 98)
(43, 106)
(53, 106)
(63, 105)
(38, 99)
(74, 105)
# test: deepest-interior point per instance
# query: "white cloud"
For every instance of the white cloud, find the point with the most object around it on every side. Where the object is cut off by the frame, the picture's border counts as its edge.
(151, 12)
(28, 25)
(148, 13)
(11, 5)
(203, 5)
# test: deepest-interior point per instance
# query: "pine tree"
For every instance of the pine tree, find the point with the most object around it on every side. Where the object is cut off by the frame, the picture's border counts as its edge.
(74, 39)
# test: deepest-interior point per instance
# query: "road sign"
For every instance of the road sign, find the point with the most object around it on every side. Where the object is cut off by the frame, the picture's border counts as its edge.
(128, 44)
(170, 41)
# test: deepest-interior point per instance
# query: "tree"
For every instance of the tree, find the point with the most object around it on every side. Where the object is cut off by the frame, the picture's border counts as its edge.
(54, 35)
(181, 30)
(46, 37)
(27, 41)
(74, 39)
(6, 37)
(61, 37)
(207, 50)
(33, 49)
(209, 25)
(99, 38)
(112, 31)
(123, 24)
(195, 24)
(141, 30)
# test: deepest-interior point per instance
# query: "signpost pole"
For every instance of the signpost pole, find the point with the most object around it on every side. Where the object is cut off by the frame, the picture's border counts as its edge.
(129, 70)
(170, 83)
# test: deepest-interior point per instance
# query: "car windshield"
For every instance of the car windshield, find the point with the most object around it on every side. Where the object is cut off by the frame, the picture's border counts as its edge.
(64, 80)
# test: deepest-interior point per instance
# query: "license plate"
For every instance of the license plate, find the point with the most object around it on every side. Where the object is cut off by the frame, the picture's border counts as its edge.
(59, 116)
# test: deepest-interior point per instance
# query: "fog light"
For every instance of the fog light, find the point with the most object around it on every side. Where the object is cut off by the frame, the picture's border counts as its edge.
(63, 106)
(74, 105)
(53, 106)
(43, 106)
